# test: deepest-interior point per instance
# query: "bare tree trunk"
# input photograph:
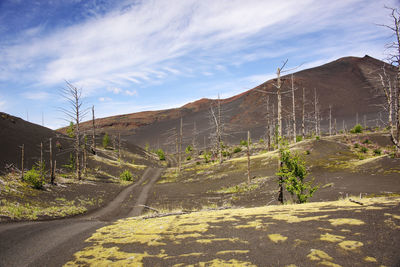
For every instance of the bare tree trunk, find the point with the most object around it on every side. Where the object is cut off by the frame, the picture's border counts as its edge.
(41, 155)
(330, 120)
(248, 157)
(293, 112)
(279, 103)
(344, 127)
(22, 161)
(268, 130)
(303, 127)
(93, 132)
(365, 121)
(84, 155)
(334, 127)
(180, 145)
(316, 111)
(219, 131)
(51, 162)
(119, 146)
(280, 163)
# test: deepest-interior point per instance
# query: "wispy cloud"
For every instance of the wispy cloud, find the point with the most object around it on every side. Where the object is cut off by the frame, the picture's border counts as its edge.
(36, 95)
(100, 51)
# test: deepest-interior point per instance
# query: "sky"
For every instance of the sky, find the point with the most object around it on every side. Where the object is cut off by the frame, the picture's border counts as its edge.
(130, 56)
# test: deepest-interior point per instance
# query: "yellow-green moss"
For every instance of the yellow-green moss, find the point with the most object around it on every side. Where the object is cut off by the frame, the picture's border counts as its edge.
(277, 238)
(350, 245)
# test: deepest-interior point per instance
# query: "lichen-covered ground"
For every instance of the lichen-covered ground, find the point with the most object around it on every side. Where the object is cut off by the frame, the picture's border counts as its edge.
(338, 233)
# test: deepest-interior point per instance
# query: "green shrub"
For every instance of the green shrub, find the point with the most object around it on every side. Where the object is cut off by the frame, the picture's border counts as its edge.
(243, 142)
(356, 145)
(261, 141)
(363, 149)
(189, 149)
(377, 151)
(367, 141)
(188, 158)
(299, 138)
(35, 177)
(225, 153)
(126, 176)
(357, 129)
(71, 130)
(207, 157)
(307, 152)
(106, 140)
(293, 172)
(237, 150)
(317, 137)
(161, 154)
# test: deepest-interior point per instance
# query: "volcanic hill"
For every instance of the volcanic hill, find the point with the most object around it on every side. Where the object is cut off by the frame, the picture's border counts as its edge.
(349, 84)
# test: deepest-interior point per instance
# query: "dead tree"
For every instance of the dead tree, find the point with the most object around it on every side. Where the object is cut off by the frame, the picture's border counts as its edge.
(51, 162)
(303, 126)
(394, 59)
(330, 120)
(93, 132)
(180, 145)
(388, 88)
(22, 161)
(74, 113)
(278, 87)
(316, 111)
(194, 137)
(293, 112)
(268, 130)
(216, 118)
(248, 157)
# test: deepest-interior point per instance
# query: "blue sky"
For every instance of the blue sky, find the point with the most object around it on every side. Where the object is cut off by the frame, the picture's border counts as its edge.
(130, 56)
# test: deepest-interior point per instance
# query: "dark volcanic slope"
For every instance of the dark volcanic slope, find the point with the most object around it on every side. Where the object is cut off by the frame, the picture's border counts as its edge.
(14, 132)
(347, 84)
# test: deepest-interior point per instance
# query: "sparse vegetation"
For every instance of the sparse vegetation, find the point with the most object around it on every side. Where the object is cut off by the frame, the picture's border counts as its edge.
(106, 140)
(160, 153)
(35, 176)
(293, 173)
(377, 151)
(126, 176)
(363, 149)
(237, 150)
(357, 129)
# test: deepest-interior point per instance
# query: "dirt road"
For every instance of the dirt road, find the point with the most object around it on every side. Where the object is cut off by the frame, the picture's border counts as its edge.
(52, 243)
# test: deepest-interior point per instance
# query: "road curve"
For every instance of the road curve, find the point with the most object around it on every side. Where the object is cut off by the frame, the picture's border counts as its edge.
(52, 243)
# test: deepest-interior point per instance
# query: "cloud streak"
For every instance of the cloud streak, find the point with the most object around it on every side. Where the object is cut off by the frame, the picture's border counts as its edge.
(150, 41)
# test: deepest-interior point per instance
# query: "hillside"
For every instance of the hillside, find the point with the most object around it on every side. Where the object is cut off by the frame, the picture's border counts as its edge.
(15, 132)
(347, 84)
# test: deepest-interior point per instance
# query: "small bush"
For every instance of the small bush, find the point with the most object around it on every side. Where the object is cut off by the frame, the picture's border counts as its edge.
(367, 141)
(357, 129)
(207, 157)
(35, 177)
(161, 154)
(237, 150)
(225, 153)
(317, 137)
(307, 152)
(126, 176)
(261, 141)
(363, 149)
(188, 158)
(243, 142)
(299, 138)
(106, 140)
(188, 149)
(377, 151)
(356, 145)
